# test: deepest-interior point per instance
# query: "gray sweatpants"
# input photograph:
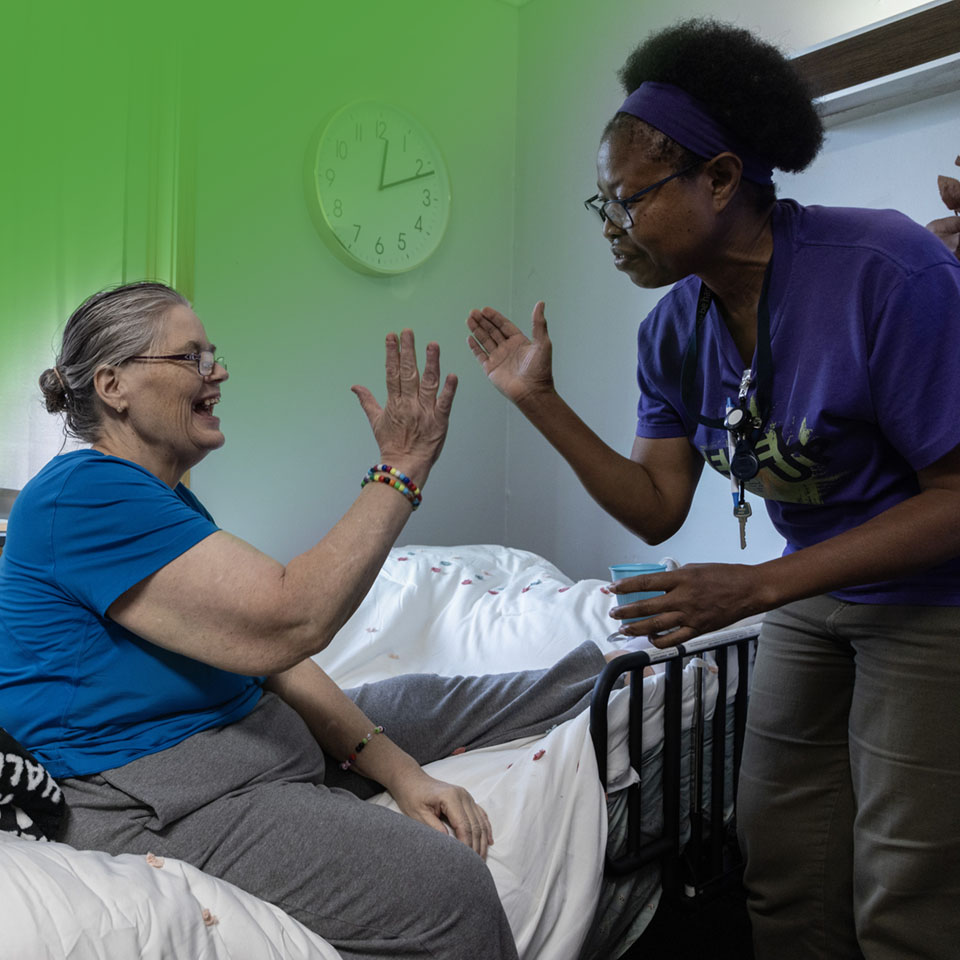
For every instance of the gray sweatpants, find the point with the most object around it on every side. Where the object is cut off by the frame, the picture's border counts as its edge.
(257, 803)
(849, 800)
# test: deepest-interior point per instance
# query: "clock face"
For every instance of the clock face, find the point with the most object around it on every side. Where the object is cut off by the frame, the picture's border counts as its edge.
(378, 188)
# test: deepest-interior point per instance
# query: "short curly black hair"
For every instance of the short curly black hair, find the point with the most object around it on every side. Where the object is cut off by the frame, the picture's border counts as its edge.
(747, 84)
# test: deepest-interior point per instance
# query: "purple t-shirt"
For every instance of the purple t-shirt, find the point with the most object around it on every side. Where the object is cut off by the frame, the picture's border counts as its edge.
(865, 337)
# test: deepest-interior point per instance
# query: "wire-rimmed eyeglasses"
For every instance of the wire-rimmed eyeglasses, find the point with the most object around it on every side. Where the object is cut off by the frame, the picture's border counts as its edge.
(205, 360)
(616, 210)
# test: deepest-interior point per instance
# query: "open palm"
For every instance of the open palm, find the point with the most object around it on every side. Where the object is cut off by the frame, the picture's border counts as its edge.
(516, 365)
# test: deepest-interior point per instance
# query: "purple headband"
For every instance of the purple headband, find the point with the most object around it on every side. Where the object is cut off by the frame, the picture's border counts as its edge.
(685, 119)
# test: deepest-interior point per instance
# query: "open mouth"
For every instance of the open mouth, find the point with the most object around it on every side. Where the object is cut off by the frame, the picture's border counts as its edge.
(205, 407)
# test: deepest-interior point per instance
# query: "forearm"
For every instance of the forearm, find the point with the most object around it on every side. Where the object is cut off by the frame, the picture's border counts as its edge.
(338, 724)
(321, 588)
(622, 487)
(912, 536)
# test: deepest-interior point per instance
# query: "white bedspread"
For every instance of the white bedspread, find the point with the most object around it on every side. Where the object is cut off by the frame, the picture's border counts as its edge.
(57, 903)
(484, 609)
(489, 609)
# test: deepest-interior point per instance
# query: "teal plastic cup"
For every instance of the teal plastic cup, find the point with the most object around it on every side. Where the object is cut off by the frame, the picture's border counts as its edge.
(620, 571)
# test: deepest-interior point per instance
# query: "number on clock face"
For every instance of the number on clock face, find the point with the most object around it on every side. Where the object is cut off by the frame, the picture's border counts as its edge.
(379, 188)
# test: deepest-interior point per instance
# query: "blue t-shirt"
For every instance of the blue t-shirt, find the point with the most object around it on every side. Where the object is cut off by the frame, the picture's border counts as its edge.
(865, 338)
(78, 690)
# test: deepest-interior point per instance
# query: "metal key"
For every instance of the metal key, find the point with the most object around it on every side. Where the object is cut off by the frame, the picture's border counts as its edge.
(742, 511)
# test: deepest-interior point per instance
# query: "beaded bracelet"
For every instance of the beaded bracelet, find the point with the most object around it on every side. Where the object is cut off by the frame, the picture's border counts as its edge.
(394, 472)
(396, 484)
(393, 478)
(352, 759)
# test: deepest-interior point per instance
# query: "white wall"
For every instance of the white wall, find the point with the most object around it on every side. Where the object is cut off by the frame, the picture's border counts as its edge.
(569, 53)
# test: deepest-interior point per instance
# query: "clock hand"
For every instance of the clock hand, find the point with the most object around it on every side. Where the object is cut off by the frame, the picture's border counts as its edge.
(418, 176)
(383, 163)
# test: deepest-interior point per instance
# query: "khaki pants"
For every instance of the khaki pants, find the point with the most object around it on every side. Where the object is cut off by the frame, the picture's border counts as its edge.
(849, 798)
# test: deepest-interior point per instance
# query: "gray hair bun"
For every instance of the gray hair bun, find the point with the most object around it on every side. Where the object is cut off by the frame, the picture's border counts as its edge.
(56, 395)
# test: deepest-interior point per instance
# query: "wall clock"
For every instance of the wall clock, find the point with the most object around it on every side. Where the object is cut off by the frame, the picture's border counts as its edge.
(377, 188)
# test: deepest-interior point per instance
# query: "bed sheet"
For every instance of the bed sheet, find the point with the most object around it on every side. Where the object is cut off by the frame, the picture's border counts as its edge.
(479, 609)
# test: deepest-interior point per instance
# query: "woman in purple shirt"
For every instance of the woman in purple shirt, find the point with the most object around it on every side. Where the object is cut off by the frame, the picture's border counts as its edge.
(814, 354)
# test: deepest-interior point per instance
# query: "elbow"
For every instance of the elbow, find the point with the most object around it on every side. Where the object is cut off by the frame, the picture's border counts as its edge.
(653, 534)
(294, 626)
(653, 540)
(303, 641)
(284, 647)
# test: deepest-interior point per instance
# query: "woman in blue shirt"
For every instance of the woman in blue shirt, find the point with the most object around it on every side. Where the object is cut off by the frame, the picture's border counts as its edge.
(161, 668)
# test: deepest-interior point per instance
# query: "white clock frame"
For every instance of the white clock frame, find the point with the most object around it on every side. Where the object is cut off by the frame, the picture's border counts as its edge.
(378, 189)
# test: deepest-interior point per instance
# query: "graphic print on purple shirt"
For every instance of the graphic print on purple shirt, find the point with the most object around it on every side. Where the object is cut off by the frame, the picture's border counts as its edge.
(865, 336)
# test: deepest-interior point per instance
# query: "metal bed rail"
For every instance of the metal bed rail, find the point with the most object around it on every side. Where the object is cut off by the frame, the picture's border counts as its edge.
(700, 871)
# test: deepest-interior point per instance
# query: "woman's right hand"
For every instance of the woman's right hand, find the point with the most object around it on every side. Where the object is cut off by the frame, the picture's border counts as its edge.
(411, 428)
(948, 230)
(517, 366)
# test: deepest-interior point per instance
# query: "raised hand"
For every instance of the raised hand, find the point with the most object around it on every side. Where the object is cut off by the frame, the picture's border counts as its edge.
(411, 427)
(517, 366)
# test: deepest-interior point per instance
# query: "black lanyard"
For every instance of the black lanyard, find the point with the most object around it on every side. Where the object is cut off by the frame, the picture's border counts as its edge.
(688, 372)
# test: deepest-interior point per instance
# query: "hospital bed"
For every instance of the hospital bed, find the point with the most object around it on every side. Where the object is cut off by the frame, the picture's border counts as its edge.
(571, 887)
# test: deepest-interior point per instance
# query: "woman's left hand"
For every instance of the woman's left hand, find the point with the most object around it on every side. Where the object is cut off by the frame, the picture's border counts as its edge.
(698, 598)
(435, 803)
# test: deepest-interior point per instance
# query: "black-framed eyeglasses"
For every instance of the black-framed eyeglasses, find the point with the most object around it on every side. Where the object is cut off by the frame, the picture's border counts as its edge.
(205, 360)
(616, 210)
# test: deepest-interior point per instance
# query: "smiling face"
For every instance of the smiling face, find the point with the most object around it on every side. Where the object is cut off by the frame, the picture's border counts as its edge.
(671, 229)
(159, 413)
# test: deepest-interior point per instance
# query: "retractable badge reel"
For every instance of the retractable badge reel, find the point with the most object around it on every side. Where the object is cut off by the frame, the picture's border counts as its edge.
(744, 462)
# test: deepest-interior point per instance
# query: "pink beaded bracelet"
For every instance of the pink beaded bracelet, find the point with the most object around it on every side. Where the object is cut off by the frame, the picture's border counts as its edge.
(352, 759)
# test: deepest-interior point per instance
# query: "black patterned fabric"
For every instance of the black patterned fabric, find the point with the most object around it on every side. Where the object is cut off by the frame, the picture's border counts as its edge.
(31, 804)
